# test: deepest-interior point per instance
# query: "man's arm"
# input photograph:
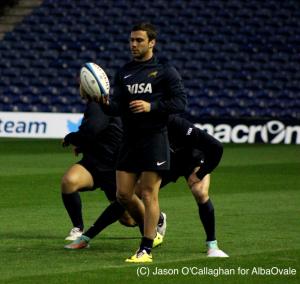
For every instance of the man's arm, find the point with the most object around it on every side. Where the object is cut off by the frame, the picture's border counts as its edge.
(176, 100)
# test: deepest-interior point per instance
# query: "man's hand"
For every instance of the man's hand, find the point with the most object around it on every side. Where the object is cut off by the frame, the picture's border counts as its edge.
(86, 96)
(105, 100)
(138, 106)
(67, 140)
(83, 93)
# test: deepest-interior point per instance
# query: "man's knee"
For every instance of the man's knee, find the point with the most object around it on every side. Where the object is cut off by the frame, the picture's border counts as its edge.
(149, 196)
(123, 197)
(201, 196)
(200, 189)
(69, 184)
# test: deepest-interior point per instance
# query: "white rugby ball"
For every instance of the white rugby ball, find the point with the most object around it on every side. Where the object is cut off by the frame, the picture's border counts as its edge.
(94, 80)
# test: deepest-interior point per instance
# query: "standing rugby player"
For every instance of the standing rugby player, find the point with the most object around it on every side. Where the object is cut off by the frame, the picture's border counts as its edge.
(146, 91)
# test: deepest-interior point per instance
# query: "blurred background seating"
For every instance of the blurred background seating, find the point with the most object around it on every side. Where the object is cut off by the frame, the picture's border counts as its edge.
(238, 60)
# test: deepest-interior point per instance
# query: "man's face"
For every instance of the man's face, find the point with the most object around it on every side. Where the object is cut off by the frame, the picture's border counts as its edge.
(140, 46)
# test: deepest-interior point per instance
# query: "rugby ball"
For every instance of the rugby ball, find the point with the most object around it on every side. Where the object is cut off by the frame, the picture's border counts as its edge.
(94, 80)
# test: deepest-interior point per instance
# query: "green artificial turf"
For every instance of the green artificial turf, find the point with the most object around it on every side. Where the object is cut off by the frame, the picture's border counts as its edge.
(256, 194)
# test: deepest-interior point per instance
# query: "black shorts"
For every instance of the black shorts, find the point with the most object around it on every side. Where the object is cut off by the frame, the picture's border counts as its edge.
(183, 164)
(103, 179)
(148, 152)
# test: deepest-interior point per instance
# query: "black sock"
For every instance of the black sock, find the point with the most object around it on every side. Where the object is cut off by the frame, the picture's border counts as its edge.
(207, 216)
(146, 244)
(111, 214)
(141, 227)
(72, 204)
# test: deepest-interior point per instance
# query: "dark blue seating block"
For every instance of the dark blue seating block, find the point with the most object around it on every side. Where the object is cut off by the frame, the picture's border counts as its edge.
(237, 58)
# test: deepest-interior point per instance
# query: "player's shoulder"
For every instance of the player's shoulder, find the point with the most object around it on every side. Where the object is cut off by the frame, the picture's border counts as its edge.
(163, 61)
(94, 109)
(169, 69)
(124, 68)
(91, 105)
(179, 123)
(178, 119)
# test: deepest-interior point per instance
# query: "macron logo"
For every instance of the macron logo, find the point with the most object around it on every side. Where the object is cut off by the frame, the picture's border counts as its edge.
(160, 163)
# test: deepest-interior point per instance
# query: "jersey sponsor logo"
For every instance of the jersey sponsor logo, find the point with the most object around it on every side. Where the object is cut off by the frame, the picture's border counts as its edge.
(160, 163)
(152, 74)
(141, 88)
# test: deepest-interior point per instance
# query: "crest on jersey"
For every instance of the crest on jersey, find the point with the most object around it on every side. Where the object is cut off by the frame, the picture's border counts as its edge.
(152, 74)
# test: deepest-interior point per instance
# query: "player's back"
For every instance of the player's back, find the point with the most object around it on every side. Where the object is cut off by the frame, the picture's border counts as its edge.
(103, 135)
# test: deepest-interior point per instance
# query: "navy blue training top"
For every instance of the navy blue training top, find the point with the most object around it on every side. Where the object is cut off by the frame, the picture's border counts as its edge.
(154, 81)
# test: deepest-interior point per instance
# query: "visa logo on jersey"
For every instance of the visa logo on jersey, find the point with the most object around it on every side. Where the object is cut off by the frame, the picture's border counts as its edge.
(141, 88)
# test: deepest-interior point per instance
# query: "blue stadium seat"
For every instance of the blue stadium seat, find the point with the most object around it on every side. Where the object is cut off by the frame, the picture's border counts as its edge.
(236, 58)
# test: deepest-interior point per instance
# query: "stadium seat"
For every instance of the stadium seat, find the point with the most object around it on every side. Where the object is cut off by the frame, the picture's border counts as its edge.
(236, 58)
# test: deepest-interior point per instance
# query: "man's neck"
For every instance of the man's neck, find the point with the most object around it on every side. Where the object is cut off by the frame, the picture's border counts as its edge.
(145, 58)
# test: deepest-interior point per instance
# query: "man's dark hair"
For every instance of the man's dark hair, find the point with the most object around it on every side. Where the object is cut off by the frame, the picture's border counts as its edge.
(148, 28)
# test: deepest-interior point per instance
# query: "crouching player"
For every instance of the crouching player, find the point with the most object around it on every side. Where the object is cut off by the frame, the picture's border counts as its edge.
(194, 155)
(98, 139)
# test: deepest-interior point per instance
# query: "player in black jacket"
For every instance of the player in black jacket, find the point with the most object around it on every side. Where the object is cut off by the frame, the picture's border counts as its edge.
(194, 155)
(146, 91)
(98, 139)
